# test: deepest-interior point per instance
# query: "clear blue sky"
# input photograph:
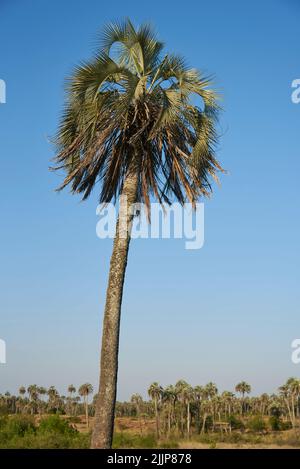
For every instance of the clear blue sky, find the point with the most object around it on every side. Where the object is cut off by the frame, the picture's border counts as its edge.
(224, 313)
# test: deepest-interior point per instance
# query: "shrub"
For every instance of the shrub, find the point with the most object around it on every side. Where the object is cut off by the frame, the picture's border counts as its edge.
(3, 421)
(286, 425)
(129, 440)
(18, 425)
(55, 424)
(235, 423)
(256, 424)
(168, 444)
(275, 423)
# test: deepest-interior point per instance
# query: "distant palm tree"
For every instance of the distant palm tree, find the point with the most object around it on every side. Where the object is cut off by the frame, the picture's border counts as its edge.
(33, 392)
(131, 123)
(70, 402)
(169, 396)
(42, 390)
(211, 390)
(180, 386)
(291, 392)
(53, 401)
(85, 390)
(227, 399)
(22, 390)
(155, 392)
(71, 389)
(243, 388)
(199, 394)
(188, 396)
(137, 400)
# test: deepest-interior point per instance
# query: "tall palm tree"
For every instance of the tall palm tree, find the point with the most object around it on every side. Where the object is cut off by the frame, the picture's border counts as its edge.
(85, 390)
(131, 124)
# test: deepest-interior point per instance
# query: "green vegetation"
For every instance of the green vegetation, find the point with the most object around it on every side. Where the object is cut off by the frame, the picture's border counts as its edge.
(256, 424)
(174, 416)
(21, 431)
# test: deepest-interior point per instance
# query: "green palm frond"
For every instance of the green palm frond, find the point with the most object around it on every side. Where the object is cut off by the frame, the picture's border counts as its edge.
(132, 103)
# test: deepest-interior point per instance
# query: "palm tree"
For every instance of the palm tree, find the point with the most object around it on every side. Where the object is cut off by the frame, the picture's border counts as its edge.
(227, 398)
(71, 389)
(291, 391)
(85, 390)
(264, 401)
(199, 394)
(169, 397)
(130, 123)
(33, 392)
(243, 388)
(180, 386)
(188, 396)
(22, 390)
(155, 392)
(137, 400)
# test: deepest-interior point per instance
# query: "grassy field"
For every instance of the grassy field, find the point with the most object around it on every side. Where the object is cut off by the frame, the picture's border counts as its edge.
(24, 431)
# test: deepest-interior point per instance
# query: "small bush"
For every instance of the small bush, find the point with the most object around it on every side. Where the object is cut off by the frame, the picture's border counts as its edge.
(18, 425)
(20, 432)
(3, 421)
(286, 426)
(275, 423)
(256, 424)
(168, 444)
(54, 424)
(235, 423)
(128, 440)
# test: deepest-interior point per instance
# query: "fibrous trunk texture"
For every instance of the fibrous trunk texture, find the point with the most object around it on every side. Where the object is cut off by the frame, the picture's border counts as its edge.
(105, 405)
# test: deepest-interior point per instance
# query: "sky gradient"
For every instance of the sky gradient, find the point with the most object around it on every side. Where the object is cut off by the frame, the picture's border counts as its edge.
(225, 313)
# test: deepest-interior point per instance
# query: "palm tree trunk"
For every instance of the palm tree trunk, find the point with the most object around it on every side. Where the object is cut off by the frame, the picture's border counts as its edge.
(188, 419)
(86, 412)
(105, 405)
(203, 423)
(293, 411)
(289, 411)
(169, 418)
(156, 417)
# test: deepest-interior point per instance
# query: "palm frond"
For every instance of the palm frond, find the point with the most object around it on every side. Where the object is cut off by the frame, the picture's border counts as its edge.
(135, 105)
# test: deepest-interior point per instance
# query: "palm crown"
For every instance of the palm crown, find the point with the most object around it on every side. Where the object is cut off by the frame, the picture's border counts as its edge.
(133, 107)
